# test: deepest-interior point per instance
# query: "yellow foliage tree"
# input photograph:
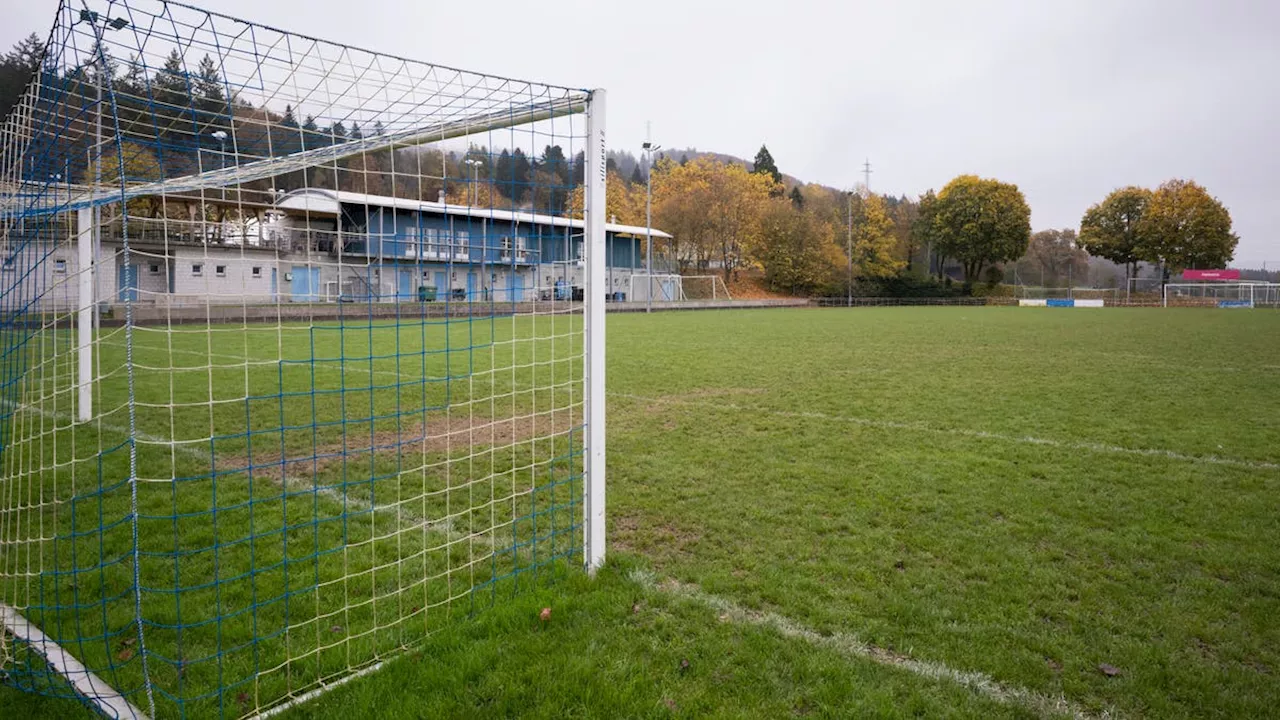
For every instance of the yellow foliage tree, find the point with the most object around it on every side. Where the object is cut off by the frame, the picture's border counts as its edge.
(713, 209)
(874, 242)
(681, 194)
(624, 202)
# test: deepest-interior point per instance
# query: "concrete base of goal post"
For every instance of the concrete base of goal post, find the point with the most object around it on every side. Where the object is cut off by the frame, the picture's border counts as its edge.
(84, 321)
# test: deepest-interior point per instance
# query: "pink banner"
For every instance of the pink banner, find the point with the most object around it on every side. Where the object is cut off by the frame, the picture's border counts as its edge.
(1210, 274)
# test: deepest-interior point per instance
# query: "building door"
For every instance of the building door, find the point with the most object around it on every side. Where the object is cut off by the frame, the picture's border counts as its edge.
(127, 283)
(442, 286)
(471, 286)
(298, 284)
(405, 289)
(306, 284)
(517, 287)
(274, 291)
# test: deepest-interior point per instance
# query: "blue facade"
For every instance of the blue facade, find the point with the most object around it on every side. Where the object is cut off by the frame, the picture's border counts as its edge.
(426, 236)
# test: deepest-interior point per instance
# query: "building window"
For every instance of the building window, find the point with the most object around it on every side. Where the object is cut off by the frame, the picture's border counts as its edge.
(153, 268)
(462, 239)
(257, 271)
(197, 269)
(220, 270)
(60, 266)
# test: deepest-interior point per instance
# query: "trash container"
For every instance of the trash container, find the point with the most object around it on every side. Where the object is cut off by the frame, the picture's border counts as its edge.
(426, 293)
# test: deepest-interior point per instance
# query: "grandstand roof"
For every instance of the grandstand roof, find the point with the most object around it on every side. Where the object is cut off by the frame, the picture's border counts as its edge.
(326, 202)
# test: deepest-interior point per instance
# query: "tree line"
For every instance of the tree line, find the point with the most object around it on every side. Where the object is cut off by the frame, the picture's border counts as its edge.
(725, 214)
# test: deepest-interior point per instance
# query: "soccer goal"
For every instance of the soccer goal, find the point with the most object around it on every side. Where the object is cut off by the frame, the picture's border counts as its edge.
(669, 287)
(1107, 295)
(704, 287)
(278, 399)
(1222, 294)
(655, 287)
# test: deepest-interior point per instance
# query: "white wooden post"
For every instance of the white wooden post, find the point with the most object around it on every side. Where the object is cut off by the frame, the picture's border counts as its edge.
(593, 486)
(84, 321)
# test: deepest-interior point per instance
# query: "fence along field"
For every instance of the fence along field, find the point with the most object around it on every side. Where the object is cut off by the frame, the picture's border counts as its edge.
(221, 519)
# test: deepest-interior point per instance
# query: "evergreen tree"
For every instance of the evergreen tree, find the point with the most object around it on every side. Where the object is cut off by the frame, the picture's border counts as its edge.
(338, 131)
(637, 177)
(765, 165)
(378, 129)
(288, 120)
(170, 87)
(797, 198)
(209, 88)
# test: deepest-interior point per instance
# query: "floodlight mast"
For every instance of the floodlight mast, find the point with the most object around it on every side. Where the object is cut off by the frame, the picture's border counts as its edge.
(89, 227)
(649, 148)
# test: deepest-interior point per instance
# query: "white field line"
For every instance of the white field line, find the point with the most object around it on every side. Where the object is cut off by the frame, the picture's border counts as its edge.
(849, 645)
(962, 432)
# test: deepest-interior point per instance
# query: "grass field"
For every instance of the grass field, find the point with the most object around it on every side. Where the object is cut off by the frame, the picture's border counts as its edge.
(893, 512)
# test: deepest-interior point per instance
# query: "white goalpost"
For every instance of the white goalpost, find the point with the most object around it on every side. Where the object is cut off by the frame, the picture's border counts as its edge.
(671, 287)
(282, 390)
(1221, 294)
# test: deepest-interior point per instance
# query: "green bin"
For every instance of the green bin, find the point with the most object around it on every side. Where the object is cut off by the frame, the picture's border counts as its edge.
(426, 293)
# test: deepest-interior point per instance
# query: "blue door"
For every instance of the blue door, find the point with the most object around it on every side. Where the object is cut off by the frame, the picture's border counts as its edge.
(517, 287)
(471, 286)
(127, 283)
(273, 283)
(305, 286)
(442, 286)
(405, 288)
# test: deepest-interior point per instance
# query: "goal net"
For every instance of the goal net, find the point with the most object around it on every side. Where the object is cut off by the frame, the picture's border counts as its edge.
(278, 397)
(1222, 294)
(704, 287)
(1108, 295)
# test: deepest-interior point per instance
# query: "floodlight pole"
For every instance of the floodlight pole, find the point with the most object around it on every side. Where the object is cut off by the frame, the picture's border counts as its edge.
(648, 148)
(849, 285)
(89, 232)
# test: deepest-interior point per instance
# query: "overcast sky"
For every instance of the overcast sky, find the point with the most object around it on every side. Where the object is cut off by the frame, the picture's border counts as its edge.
(1067, 99)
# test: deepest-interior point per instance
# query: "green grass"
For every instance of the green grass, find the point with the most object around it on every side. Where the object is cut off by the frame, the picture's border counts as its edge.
(1023, 493)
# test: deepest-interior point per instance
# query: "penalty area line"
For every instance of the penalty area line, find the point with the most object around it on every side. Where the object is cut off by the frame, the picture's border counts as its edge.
(961, 432)
(849, 645)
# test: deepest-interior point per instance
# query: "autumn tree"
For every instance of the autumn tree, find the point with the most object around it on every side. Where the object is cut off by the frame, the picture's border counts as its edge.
(738, 200)
(1055, 257)
(874, 242)
(904, 215)
(980, 222)
(922, 228)
(1110, 229)
(681, 194)
(797, 250)
(1186, 227)
(623, 201)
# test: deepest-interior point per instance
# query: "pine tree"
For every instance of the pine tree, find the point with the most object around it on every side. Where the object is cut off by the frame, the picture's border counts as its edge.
(797, 198)
(209, 89)
(637, 177)
(765, 165)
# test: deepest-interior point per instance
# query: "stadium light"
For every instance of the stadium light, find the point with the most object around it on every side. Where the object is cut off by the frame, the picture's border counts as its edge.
(649, 149)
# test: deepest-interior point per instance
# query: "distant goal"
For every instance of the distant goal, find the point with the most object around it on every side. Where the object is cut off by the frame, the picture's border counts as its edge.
(670, 287)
